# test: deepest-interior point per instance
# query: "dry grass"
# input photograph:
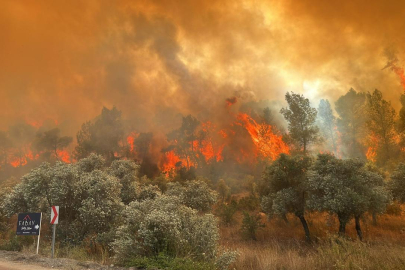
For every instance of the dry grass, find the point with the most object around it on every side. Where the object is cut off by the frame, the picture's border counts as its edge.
(282, 246)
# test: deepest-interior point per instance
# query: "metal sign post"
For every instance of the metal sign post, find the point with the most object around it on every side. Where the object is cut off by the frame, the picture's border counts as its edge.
(54, 221)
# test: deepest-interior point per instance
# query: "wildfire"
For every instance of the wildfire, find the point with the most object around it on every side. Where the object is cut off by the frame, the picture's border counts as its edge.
(398, 70)
(372, 149)
(171, 161)
(267, 143)
(64, 156)
(131, 139)
(21, 159)
(207, 146)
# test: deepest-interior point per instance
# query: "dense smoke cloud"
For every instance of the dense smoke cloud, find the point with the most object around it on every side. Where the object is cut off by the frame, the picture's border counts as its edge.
(157, 60)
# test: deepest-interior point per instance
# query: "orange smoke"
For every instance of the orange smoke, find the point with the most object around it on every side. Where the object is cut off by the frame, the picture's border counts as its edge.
(231, 101)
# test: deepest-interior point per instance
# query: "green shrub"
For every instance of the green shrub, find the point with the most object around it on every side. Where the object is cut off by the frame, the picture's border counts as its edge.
(250, 203)
(250, 225)
(227, 211)
(195, 194)
(13, 244)
(165, 225)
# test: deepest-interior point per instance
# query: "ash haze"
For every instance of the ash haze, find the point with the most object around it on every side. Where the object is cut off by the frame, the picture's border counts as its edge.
(156, 60)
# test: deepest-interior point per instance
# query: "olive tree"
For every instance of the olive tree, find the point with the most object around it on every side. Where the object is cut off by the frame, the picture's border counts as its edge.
(126, 171)
(286, 184)
(345, 188)
(195, 194)
(88, 196)
(397, 183)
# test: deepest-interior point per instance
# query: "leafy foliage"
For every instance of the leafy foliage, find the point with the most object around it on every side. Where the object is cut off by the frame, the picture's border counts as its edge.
(195, 194)
(250, 225)
(88, 196)
(301, 121)
(397, 183)
(286, 183)
(101, 136)
(165, 225)
(346, 188)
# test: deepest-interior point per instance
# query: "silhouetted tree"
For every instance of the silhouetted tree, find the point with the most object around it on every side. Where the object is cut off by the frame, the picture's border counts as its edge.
(301, 121)
(381, 124)
(101, 136)
(351, 122)
(183, 139)
(50, 141)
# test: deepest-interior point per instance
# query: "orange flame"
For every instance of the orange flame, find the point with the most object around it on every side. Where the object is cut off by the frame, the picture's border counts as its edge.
(267, 143)
(372, 149)
(131, 139)
(398, 70)
(63, 155)
(19, 160)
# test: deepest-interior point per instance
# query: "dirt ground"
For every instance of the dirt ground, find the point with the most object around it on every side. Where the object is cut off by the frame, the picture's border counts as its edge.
(10, 260)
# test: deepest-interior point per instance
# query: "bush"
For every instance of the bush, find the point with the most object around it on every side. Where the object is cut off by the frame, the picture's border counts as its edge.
(195, 194)
(165, 225)
(394, 209)
(250, 203)
(250, 225)
(227, 211)
(12, 244)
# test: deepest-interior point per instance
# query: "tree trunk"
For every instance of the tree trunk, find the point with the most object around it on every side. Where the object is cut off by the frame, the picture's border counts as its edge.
(306, 229)
(374, 219)
(358, 228)
(342, 227)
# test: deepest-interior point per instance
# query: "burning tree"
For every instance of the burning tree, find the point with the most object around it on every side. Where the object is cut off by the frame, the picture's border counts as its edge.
(21, 135)
(183, 139)
(381, 125)
(51, 143)
(268, 144)
(301, 121)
